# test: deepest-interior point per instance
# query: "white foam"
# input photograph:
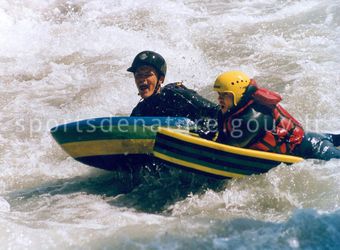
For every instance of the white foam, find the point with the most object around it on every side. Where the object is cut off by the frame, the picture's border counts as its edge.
(4, 205)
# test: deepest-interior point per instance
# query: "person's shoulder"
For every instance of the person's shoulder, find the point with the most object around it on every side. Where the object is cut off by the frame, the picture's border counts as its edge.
(172, 89)
(136, 111)
(142, 106)
(174, 85)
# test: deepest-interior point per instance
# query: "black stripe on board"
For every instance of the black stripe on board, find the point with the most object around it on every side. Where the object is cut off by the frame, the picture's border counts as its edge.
(225, 157)
(201, 159)
(171, 164)
(219, 157)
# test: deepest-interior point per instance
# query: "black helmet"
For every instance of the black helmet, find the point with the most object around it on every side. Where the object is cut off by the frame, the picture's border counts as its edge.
(149, 58)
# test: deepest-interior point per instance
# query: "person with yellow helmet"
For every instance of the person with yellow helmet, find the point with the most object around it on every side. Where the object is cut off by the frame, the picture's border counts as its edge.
(174, 99)
(252, 117)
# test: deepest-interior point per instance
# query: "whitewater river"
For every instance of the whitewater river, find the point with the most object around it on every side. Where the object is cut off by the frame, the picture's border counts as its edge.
(62, 61)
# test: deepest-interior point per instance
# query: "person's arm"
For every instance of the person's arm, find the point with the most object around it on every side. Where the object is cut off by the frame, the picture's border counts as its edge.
(190, 104)
(203, 107)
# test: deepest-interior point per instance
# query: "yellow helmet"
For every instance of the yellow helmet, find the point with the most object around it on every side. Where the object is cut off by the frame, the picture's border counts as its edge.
(234, 82)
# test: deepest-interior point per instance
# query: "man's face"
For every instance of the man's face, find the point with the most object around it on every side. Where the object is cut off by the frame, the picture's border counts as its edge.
(146, 79)
(226, 101)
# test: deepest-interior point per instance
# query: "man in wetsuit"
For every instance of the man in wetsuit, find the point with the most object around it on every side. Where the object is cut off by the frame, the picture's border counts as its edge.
(252, 117)
(174, 99)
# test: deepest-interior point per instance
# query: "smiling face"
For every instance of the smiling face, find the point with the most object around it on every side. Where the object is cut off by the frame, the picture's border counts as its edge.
(146, 79)
(226, 101)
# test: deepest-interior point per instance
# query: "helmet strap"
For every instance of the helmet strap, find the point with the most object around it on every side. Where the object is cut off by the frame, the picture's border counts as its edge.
(158, 85)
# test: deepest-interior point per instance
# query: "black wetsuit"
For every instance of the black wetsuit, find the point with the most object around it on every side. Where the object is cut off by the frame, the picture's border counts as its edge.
(176, 100)
(319, 146)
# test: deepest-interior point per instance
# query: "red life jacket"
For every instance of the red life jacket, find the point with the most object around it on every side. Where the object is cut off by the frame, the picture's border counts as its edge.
(287, 133)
